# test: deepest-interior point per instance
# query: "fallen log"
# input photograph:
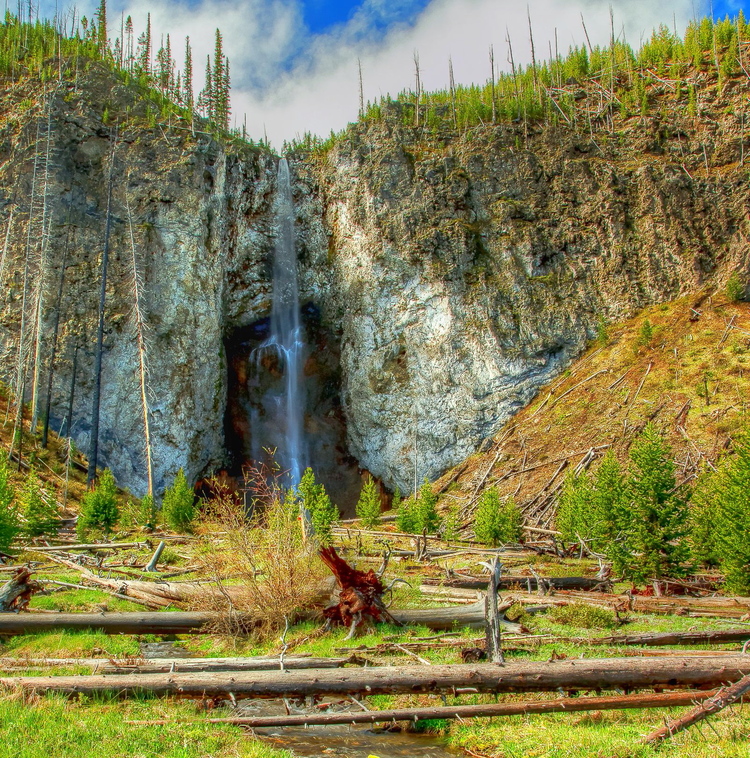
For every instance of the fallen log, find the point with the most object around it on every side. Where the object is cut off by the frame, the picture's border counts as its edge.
(172, 665)
(111, 623)
(198, 622)
(718, 702)
(528, 583)
(450, 618)
(519, 676)
(673, 638)
(88, 546)
(562, 705)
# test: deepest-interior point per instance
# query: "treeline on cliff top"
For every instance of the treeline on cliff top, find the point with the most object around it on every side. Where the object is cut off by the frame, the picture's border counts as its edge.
(584, 89)
(59, 49)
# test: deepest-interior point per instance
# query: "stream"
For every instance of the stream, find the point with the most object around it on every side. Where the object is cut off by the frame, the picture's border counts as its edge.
(355, 741)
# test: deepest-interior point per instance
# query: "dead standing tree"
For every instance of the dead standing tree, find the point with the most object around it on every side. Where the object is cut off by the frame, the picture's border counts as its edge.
(96, 406)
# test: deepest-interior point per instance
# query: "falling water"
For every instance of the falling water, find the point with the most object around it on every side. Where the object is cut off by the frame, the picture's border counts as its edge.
(285, 341)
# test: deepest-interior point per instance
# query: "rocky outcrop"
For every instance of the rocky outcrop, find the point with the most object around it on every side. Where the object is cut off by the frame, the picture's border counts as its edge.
(465, 271)
(459, 272)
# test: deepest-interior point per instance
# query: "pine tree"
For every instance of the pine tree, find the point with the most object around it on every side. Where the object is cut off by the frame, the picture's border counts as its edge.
(425, 510)
(187, 76)
(9, 522)
(38, 508)
(574, 519)
(315, 501)
(129, 54)
(724, 496)
(144, 49)
(368, 505)
(205, 102)
(496, 521)
(659, 511)
(99, 511)
(101, 20)
(178, 506)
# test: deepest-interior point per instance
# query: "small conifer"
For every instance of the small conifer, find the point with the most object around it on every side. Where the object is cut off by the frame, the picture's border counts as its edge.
(368, 505)
(9, 522)
(99, 511)
(38, 508)
(496, 521)
(178, 506)
(315, 501)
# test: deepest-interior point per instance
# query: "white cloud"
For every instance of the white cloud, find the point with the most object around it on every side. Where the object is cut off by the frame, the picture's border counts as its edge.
(321, 93)
(288, 82)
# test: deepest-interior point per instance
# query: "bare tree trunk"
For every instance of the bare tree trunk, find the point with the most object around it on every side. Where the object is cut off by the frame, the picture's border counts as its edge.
(20, 379)
(492, 80)
(94, 442)
(452, 83)
(3, 260)
(53, 347)
(140, 327)
(37, 363)
(419, 88)
(533, 52)
(361, 90)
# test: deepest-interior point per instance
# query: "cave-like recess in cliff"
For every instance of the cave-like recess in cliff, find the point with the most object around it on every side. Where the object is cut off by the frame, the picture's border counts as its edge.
(251, 427)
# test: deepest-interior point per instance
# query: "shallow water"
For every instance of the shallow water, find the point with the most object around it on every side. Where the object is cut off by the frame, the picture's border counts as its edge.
(355, 742)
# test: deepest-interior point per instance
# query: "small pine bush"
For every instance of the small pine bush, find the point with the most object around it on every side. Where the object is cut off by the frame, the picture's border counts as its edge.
(735, 289)
(425, 512)
(315, 501)
(404, 514)
(178, 505)
(368, 505)
(575, 520)
(497, 522)
(38, 508)
(99, 511)
(646, 334)
(9, 521)
(451, 526)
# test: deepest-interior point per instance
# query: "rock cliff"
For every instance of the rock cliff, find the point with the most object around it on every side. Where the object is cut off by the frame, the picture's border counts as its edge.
(456, 272)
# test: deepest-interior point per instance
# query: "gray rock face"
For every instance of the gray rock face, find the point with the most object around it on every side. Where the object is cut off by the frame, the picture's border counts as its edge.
(460, 273)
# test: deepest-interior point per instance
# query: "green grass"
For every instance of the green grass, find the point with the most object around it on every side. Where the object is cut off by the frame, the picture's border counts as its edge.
(63, 728)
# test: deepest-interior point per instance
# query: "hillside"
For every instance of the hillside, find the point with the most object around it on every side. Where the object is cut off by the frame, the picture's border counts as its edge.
(684, 365)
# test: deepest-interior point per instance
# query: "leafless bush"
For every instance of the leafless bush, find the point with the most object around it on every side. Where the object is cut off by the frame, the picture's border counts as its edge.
(257, 555)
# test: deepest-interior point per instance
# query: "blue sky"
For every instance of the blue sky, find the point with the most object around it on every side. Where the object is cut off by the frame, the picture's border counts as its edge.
(321, 15)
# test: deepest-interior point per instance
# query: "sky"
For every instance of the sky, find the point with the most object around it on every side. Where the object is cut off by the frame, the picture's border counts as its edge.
(294, 63)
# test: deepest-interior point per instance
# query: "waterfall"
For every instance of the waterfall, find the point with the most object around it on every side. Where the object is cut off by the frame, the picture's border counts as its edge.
(285, 342)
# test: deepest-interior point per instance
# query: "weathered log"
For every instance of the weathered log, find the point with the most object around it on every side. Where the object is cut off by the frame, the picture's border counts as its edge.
(112, 623)
(87, 546)
(171, 665)
(518, 676)
(492, 617)
(17, 591)
(561, 705)
(674, 638)
(528, 583)
(718, 702)
(450, 618)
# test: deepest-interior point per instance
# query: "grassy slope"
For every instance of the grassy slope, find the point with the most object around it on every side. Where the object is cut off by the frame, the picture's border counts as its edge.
(597, 402)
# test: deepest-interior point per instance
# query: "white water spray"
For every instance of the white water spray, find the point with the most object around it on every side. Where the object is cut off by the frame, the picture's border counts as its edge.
(285, 339)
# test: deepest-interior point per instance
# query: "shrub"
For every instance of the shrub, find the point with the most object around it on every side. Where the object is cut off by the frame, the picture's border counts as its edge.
(497, 521)
(178, 505)
(368, 505)
(583, 616)
(9, 522)
(736, 288)
(38, 508)
(322, 512)
(99, 511)
(602, 331)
